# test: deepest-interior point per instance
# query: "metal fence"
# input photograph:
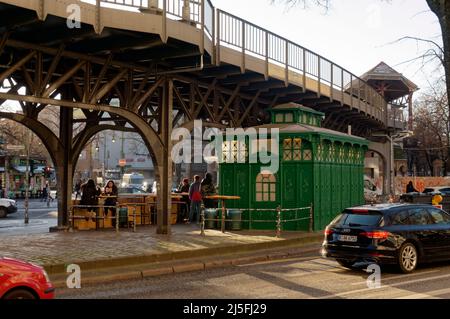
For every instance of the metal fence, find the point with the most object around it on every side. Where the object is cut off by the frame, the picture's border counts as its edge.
(92, 213)
(306, 212)
(225, 29)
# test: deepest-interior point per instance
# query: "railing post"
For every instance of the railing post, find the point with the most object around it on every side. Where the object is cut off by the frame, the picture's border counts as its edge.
(218, 38)
(243, 47)
(278, 221)
(331, 82)
(342, 86)
(311, 218)
(318, 76)
(153, 4)
(213, 35)
(186, 11)
(117, 218)
(286, 71)
(164, 22)
(202, 220)
(202, 19)
(351, 91)
(223, 217)
(73, 217)
(304, 70)
(97, 17)
(134, 219)
(266, 69)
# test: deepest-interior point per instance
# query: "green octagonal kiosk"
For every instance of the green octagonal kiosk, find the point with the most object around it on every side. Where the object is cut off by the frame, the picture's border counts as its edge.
(316, 167)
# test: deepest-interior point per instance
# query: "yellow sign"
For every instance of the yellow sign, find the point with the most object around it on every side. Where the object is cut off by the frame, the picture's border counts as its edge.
(436, 200)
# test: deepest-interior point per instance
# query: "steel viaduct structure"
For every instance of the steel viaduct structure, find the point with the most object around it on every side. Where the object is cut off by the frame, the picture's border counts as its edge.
(167, 63)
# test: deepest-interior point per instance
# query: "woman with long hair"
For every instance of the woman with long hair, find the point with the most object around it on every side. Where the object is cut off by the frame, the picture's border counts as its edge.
(112, 192)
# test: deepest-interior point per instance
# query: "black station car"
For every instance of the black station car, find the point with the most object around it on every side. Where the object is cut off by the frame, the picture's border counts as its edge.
(401, 234)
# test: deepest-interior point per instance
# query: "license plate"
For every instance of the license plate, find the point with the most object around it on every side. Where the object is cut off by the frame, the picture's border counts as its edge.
(346, 238)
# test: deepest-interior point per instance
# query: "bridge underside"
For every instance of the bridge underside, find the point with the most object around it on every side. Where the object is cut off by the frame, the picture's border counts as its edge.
(133, 81)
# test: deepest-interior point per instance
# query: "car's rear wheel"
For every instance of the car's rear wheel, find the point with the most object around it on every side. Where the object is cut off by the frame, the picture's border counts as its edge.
(19, 294)
(3, 212)
(407, 258)
(346, 263)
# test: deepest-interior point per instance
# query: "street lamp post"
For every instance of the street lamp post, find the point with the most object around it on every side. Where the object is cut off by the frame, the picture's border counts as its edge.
(122, 154)
(27, 176)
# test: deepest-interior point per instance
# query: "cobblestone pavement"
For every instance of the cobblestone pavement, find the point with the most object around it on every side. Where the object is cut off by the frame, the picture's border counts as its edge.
(84, 246)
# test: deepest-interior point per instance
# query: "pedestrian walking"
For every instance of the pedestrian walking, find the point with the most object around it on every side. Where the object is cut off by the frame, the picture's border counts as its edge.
(196, 199)
(45, 191)
(208, 189)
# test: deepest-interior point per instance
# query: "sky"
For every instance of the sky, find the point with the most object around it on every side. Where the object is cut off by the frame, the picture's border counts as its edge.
(356, 34)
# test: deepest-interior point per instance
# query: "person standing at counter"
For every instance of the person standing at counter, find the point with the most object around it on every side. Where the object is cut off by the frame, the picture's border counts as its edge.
(184, 188)
(89, 196)
(110, 202)
(208, 189)
(195, 197)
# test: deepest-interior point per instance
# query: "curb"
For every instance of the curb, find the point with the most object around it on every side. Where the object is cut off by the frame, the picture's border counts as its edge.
(180, 255)
(186, 266)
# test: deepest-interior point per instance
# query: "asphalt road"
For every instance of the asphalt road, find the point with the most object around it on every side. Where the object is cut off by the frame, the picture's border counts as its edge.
(298, 278)
(41, 218)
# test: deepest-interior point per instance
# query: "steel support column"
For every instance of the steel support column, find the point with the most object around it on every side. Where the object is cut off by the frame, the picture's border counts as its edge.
(65, 172)
(164, 170)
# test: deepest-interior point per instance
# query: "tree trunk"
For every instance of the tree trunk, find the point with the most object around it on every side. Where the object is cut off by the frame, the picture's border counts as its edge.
(441, 8)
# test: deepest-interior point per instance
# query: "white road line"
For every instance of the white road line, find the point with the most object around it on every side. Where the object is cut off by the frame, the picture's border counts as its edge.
(385, 287)
(428, 294)
(383, 278)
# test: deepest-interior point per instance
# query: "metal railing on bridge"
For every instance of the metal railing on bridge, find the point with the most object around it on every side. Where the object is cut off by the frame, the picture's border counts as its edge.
(225, 29)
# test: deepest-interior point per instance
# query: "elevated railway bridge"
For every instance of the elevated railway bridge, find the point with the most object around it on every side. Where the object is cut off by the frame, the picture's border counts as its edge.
(149, 66)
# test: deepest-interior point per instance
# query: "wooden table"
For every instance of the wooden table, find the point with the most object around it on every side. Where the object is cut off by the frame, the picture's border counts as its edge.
(223, 198)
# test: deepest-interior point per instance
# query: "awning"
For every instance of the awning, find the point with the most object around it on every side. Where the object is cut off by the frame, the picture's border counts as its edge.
(23, 169)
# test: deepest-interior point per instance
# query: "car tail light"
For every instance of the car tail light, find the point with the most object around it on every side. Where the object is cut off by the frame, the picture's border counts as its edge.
(376, 234)
(360, 211)
(328, 232)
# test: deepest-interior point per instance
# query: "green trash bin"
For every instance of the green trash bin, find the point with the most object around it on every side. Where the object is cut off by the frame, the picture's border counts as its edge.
(210, 213)
(123, 216)
(236, 219)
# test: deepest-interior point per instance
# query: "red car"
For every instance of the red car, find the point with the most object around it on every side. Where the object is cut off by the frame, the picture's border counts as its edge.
(23, 280)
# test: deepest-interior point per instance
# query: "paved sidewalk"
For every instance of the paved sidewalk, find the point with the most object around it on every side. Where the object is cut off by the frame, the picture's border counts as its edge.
(100, 249)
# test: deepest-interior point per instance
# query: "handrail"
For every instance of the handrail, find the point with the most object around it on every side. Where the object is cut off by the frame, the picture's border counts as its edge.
(225, 29)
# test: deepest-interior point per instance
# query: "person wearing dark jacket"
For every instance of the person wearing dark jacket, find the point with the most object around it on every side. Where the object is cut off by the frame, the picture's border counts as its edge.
(184, 188)
(112, 192)
(410, 188)
(89, 196)
(208, 189)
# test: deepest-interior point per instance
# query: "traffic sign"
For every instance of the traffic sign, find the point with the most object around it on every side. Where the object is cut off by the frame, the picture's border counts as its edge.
(122, 162)
(15, 147)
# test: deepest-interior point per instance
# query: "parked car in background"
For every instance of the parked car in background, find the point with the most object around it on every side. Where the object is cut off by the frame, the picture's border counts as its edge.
(132, 190)
(7, 206)
(22, 280)
(444, 190)
(401, 234)
(371, 191)
(134, 180)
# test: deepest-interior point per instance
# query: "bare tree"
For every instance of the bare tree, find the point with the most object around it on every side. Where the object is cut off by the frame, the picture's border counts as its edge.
(431, 127)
